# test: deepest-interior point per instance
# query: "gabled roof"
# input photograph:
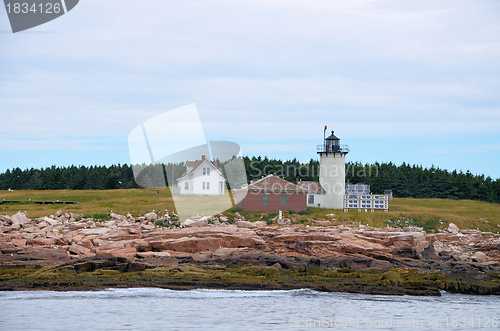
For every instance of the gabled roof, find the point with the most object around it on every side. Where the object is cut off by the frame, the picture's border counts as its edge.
(194, 165)
(197, 163)
(272, 183)
(312, 187)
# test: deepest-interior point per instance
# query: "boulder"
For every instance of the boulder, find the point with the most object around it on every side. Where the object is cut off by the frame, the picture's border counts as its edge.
(6, 219)
(245, 224)
(480, 257)
(136, 266)
(453, 228)
(98, 231)
(20, 218)
(28, 228)
(239, 240)
(125, 224)
(134, 229)
(77, 226)
(188, 222)
(192, 245)
(80, 250)
(9, 248)
(413, 229)
(84, 266)
(87, 243)
(49, 231)
(128, 252)
(277, 265)
(61, 241)
(41, 241)
(155, 245)
(143, 246)
(19, 242)
(147, 227)
(206, 219)
(150, 216)
(117, 216)
(194, 224)
(43, 225)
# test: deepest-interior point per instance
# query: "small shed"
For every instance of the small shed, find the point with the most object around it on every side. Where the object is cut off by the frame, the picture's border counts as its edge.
(272, 193)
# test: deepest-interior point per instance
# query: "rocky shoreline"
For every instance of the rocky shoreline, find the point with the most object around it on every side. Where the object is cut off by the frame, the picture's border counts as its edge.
(67, 251)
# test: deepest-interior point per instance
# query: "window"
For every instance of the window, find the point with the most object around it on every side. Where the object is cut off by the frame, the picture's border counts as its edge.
(186, 186)
(284, 199)
(310, 199)
(208, 185)
(265, 199)
(208, 171)
(203, 183)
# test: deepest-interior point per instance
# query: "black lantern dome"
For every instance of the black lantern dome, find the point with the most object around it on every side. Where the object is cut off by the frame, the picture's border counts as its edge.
(332, 143)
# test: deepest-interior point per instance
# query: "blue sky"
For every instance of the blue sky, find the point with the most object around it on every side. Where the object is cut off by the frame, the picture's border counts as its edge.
(398, 81)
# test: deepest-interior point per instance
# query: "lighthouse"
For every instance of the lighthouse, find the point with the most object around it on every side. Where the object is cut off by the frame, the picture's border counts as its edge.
(332, 171)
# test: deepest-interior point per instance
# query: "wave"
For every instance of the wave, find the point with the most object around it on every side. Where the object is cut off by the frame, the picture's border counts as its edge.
(147, 292)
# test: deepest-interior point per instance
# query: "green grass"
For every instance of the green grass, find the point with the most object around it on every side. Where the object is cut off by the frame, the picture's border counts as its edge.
(431, 214)
(134, 201)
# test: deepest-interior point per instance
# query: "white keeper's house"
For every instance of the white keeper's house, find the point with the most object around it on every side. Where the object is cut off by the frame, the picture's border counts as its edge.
(202, 178)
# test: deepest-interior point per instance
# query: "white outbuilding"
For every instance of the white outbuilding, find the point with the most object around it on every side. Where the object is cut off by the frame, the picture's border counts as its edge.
(202, 178)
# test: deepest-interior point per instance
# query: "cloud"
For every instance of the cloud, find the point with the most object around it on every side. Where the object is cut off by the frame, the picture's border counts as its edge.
(494, 147)
(263, 71)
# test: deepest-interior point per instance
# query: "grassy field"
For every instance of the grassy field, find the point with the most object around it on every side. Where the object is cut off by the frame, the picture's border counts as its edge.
(429, 213)
(134, 201)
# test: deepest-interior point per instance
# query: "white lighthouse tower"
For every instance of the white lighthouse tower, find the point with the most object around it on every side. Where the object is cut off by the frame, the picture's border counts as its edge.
(332, 172)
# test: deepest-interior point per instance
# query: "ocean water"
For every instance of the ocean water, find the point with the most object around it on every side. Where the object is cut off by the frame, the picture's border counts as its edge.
(161, 309)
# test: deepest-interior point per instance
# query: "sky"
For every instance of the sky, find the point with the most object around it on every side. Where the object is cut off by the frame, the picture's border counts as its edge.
(398, 81)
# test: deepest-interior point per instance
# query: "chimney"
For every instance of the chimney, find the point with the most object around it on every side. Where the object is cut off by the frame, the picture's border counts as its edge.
(203, 157)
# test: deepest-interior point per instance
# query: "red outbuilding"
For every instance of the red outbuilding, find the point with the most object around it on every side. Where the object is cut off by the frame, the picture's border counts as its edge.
(271, 193)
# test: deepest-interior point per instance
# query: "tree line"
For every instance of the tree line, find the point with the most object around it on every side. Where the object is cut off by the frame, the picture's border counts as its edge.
(404, 180)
